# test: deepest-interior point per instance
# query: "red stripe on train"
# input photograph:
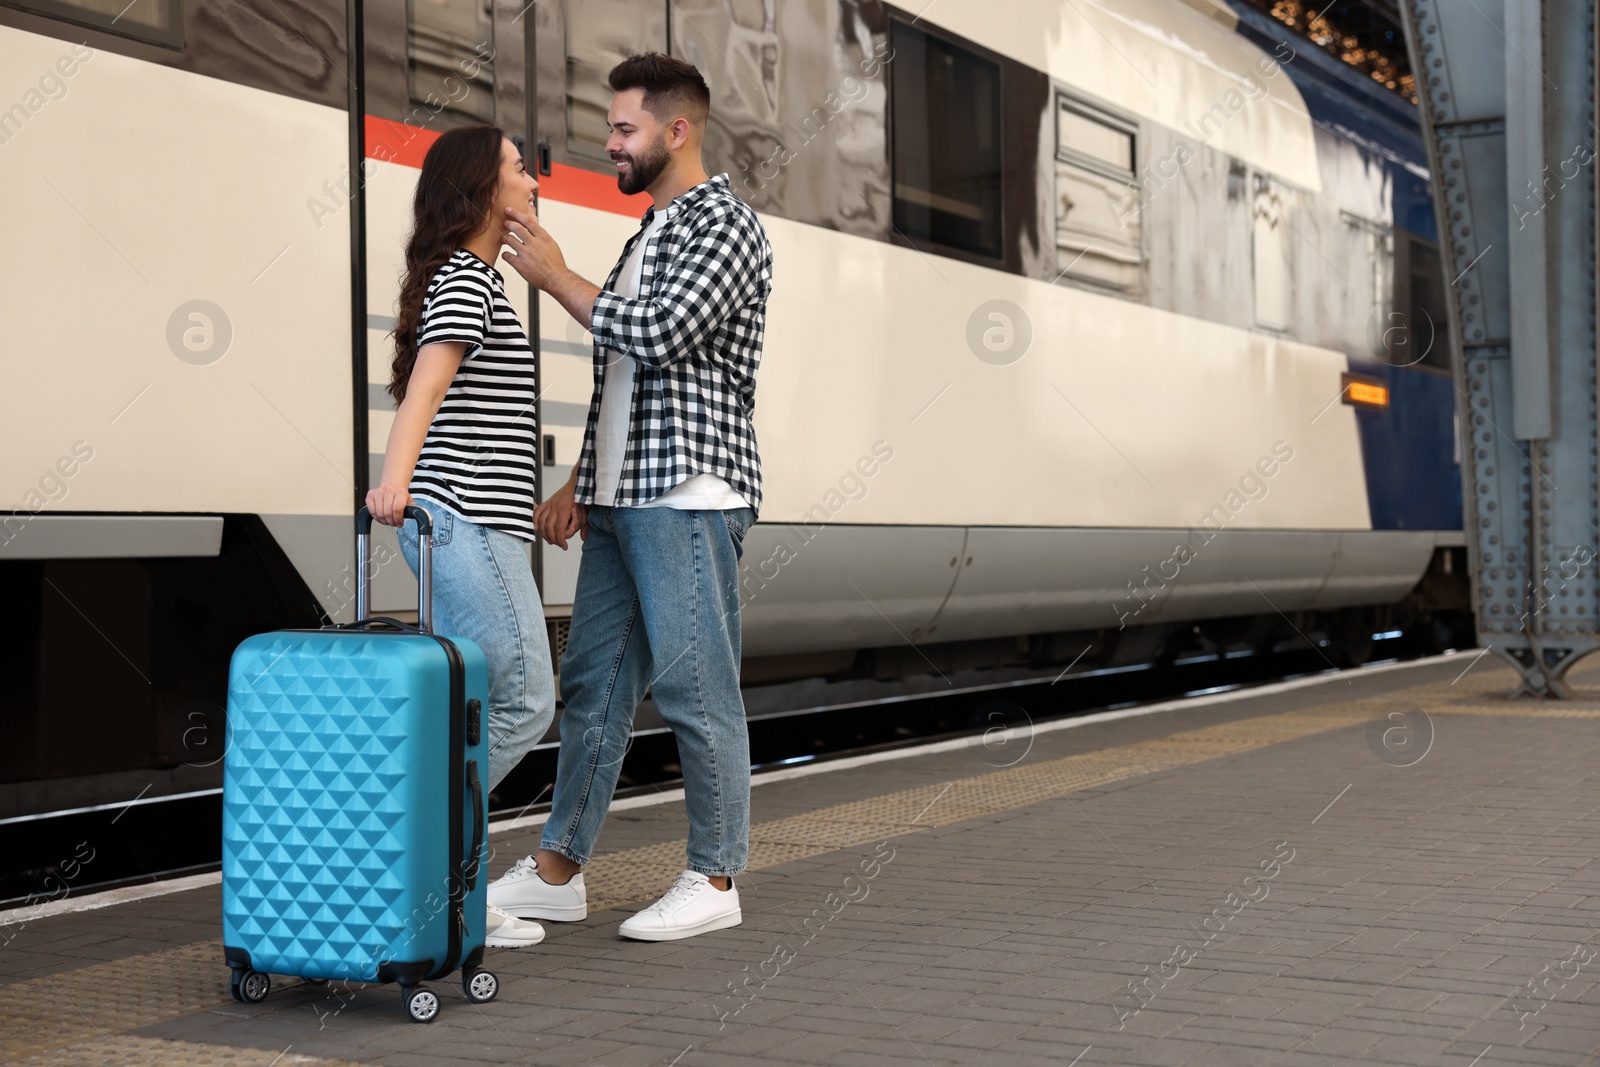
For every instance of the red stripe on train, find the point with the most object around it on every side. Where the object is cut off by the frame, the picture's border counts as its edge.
(398, 142)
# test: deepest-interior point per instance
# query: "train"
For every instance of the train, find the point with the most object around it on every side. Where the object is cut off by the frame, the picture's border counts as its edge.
(1102, 331)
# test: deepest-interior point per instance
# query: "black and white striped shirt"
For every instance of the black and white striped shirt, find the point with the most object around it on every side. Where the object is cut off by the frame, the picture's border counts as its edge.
(481, 448)
(694, 332)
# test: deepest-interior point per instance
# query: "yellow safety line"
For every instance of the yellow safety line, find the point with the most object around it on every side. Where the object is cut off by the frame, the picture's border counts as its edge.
(125, 1050)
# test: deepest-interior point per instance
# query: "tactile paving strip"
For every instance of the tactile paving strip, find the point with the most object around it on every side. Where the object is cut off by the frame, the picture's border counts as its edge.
(1512, 711)
(105, 998)
(126, 1051)
(1585, 704)
(635, 874)
(37, 1015)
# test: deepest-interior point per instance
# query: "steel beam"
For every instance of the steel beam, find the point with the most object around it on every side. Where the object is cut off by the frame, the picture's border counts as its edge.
(1525, 243)
(1506, 89)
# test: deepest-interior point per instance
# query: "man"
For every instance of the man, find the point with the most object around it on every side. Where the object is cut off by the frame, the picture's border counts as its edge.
(666, 487)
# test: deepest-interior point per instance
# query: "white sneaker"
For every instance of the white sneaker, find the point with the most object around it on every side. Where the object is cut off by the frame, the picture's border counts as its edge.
(508, 931)
(692, 906)
(521, 892)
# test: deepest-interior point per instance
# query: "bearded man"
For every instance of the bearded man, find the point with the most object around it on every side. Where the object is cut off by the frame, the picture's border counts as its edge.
(667, 485)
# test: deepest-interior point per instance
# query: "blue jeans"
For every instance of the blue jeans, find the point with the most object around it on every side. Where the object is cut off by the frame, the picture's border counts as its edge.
(483, 590)
(657, 607)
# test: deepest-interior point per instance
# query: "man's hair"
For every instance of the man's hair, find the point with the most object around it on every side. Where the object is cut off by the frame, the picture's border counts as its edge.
(672, 88)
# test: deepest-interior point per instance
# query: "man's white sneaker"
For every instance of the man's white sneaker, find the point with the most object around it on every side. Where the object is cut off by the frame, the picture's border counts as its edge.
(508, 931)
(692, 906)
(521, 892)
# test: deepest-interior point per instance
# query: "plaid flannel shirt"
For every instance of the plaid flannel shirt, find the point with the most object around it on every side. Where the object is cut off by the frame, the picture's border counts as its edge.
(695, 335)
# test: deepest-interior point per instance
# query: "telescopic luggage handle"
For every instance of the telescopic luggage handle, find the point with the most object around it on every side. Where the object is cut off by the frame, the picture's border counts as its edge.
(424, 523)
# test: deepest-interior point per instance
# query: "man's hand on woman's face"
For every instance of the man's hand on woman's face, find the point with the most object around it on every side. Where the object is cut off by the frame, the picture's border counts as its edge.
(531, 251)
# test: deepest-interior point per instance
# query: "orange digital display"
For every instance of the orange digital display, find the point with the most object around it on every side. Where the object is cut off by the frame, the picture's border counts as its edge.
(1365, 392)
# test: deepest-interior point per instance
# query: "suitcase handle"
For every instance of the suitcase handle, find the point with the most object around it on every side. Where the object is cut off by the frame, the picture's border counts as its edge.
(379, 622)
(474, 862)
(424, 523)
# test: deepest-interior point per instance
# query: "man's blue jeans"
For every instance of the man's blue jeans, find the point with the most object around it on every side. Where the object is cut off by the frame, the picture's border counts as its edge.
(483, 590)
(657, 607)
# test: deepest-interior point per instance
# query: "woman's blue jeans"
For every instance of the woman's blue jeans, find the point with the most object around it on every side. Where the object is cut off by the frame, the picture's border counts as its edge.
(483, 590)
(657, 608)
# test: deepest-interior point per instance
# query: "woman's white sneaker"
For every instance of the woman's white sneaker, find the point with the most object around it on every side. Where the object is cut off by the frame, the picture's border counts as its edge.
(508, 931)
(522, 893)
(692, 906)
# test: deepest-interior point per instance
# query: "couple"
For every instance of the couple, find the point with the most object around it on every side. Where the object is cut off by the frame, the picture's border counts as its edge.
(666, 487)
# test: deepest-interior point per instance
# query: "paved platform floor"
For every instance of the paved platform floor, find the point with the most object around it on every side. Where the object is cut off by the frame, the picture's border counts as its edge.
(1391, 866)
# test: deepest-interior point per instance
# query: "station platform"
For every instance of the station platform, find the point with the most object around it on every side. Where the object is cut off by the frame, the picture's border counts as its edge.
(1391, 865)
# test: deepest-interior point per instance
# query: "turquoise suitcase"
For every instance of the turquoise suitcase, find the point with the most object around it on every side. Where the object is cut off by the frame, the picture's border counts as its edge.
(354, 839)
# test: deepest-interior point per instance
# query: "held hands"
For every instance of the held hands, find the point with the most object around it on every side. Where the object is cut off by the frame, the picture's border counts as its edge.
(532, 251)
(559, 517)
(388, 504)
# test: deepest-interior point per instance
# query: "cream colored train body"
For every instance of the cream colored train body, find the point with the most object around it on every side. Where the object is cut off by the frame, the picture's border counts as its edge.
(958, 446)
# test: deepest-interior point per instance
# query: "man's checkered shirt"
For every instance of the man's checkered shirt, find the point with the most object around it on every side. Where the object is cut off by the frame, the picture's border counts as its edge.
(695, 332)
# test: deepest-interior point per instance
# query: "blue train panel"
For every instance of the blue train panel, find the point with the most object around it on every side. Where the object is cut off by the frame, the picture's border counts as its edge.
(1409, 450)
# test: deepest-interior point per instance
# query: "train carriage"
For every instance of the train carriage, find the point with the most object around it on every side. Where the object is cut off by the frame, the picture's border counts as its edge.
(1097, 327)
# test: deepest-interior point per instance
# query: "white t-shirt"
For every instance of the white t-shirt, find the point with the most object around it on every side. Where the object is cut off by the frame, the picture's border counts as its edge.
(698, 492)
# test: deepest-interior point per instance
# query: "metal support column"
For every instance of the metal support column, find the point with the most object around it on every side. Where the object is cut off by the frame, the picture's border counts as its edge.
(1507, 91)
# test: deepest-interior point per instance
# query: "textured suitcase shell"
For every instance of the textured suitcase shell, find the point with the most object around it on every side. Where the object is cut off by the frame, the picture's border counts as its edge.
(336, 804)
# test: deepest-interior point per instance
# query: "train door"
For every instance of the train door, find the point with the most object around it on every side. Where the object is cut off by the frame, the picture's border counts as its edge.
(575, 44)
(430, 66)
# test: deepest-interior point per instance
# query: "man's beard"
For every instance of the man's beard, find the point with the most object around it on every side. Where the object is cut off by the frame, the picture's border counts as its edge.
(644, 170)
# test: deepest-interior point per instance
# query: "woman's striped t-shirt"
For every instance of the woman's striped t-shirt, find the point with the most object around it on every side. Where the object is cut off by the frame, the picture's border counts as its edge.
(480, 451)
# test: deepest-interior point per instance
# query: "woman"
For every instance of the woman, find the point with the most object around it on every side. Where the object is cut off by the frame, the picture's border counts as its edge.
(463, 441)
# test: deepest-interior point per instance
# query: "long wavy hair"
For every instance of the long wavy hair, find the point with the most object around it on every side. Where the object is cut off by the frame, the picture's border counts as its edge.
(460, 176)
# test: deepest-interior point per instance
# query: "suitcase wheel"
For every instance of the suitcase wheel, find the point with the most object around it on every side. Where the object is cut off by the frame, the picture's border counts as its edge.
(249, 987)
(480, 986)
(421, 1004)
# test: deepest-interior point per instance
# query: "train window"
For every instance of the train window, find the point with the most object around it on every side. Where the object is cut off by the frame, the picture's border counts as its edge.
(451, 49)
(1369, 253)
(1427, 322)
(601, 34)
(1093, 137)
(1271, 256)
(156, 21)
(1098, 208)
(945, 103)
